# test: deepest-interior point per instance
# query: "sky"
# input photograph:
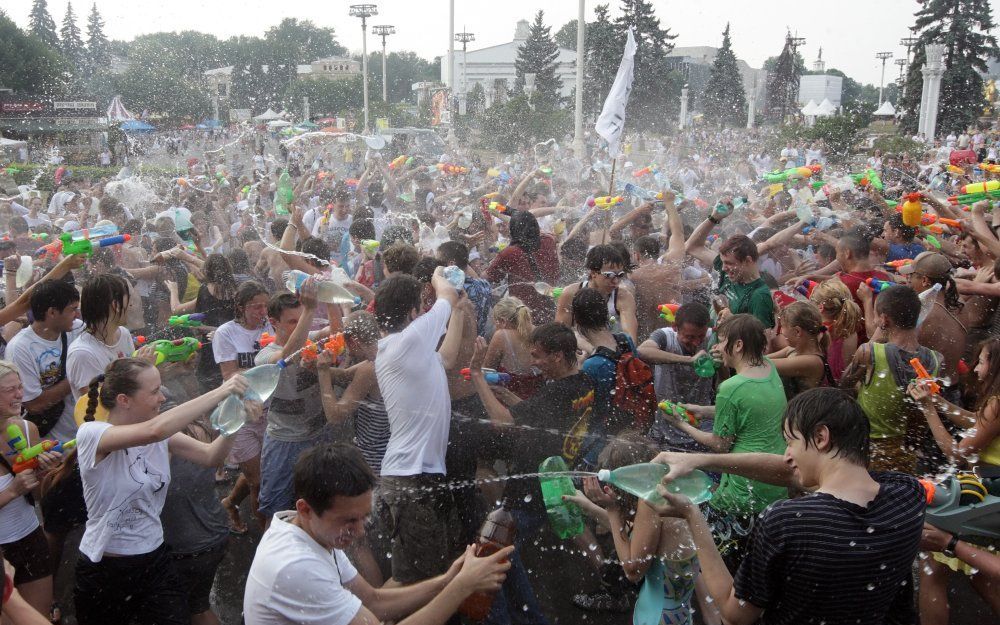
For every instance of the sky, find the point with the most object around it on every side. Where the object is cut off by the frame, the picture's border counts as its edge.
(850, 32)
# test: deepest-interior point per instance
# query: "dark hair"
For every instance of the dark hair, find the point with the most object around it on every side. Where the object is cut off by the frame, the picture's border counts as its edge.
(848, 426)
(51, 294)
(328, 471)
(218, 271)
(556, 338)
(401, 257)
(524, 231)
(394, 299)
(590, 310)
(110, 207)
(281, 302)
(901, 305)
(101, 295)
(246, 292)
(454, 252)
(133, 227)
(278, 227)
(363, 228)
(423, 269)
(17, 225)
(905, 232)
(239, 261)
(601, 255)
(741, 247)
(121, 377)
(694, 313)
(748, 329)
(826, 250)
(647, 247)
(318, 248)
(628, 448)
(395, 234)
(856, 242)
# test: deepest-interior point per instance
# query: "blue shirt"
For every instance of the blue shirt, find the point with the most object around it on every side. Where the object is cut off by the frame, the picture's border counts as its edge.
(603, 372)
(480, 293)
(899, 251)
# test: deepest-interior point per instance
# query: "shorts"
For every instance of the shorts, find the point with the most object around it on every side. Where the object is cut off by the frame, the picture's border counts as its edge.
(419, 513)
(277, 461)
(63, 507)
(248, 442)
(197, 574)
(30, 557)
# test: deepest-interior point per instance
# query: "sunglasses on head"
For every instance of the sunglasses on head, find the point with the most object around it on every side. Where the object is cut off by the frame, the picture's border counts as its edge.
(611, 275)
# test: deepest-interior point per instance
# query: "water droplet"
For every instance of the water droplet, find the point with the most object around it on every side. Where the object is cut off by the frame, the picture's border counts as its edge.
(527, 498)
(870, 530)
(870, 586)
(852, 543)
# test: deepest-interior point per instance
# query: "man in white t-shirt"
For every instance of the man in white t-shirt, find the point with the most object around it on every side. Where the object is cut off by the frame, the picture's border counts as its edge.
(39, 352)
(334, 219)
(300, 573)
(411, 376)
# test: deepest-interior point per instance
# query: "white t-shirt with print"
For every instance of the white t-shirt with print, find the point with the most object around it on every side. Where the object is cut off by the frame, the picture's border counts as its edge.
(234, 342)
(89, 357)
(293, 579)
(124, 493)
(332, 231)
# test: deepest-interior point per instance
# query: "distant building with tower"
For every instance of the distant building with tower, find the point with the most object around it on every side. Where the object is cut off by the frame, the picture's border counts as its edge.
(820, 86)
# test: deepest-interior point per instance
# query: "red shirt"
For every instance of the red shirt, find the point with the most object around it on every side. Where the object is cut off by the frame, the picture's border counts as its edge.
(852, 279)
(512, 265)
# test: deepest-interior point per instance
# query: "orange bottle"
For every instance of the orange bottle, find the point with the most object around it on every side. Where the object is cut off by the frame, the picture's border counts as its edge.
(497, 532)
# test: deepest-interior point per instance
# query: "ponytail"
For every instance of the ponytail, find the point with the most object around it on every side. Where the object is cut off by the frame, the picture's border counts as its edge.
(513, 311)
(833, 298)
(951, 300)
(92, 397)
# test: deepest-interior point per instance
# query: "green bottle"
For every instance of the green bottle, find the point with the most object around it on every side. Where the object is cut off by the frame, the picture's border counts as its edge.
(641, 480)
(565, 517)
(704, 366)
(284, 194)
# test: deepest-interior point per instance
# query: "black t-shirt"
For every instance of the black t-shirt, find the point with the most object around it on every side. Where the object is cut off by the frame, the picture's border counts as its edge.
(552, 423)
(819, 559)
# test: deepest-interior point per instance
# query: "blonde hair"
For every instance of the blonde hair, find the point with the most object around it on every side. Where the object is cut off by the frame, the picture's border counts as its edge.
(806, 316)
(7, 367)
(834, 298)
(513, 311)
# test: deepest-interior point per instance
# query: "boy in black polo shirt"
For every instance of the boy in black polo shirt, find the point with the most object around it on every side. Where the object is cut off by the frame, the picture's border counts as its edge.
(839, 555)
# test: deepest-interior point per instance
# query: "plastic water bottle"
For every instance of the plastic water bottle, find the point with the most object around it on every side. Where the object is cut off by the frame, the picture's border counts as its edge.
(327, 291)
(641, 480)
(284, 193)
(229, 416)
(93, 233)
(497, 532)
(544, 288)
(565, 517)
(927, 299)
(455, 276)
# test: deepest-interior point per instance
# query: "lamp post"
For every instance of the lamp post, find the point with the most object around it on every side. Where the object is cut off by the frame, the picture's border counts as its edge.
(364, 11)
(451, 69)
(581, 30)
(884, 56)
(901, 63)
(464, 38)
(383, 31)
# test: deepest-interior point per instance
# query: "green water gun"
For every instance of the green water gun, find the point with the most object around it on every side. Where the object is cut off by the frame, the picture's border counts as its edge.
(869, 177)
(676, 410)
(179, 350)
(191, 320)
(27, 457)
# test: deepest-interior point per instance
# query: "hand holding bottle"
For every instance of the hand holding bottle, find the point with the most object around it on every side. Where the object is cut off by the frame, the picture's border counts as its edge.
(603, 496)
(484, 574)
(678, 506)
(236, 385)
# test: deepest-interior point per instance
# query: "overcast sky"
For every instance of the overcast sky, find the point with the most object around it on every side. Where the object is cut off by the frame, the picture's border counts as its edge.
(849, 31)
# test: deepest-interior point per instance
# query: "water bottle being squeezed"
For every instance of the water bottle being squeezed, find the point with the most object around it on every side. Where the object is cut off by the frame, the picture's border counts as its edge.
(230, 415)
(642, 480)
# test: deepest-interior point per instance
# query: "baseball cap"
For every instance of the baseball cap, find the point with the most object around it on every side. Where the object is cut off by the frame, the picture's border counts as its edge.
(930, 264)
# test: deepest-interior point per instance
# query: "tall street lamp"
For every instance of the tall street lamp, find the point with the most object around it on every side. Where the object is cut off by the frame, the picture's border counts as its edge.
(464, 38)
(581, 29)
(884, 56)
(383, 31)
(364, 11)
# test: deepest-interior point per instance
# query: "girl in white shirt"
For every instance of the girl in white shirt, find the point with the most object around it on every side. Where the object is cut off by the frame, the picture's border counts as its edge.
(124, 572)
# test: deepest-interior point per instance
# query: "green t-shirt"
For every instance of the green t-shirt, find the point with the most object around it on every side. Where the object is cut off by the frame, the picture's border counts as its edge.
(749, 410)
(753, 298)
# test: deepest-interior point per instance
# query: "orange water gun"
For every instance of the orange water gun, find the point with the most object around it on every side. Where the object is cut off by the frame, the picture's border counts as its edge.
(334, 345)
(668, 312)
(896, 264)
(265, 339)
(497, 207)
(922, 374)
(645, 171)
(450, 168)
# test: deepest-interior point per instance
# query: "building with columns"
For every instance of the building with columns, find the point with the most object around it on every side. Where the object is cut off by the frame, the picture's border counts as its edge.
(694, 63)
(332, 68)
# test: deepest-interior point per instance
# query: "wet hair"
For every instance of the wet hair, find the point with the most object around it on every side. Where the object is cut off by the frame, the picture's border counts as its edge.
(110, 207)
(17, 225)
(281, 302)
(989, 387)
(101, 295)
(423, 269)
(693, 313)
(278, 227)
(454, 252)
(590, 310)
(363, 229)
(750, 331)
(901, 305)
(318, 248)
(833, 297)
(246, 292)
(395, 234)
(905, 232)
(806, 316)
(361, 326)
(826, 251)
(121, 377)
(628, 448)
(219, 272)
(401, 257)
(513, 310)
(646, 247)
(524, 231)
(328, 471)
(556, 338)
(839, 412)
(855, 242)
(741, 247)
(239, 261)
(51, 294)
(395, 298)
(601, 255)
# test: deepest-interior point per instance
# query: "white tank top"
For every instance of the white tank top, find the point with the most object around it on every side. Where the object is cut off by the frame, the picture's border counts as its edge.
(17, 518)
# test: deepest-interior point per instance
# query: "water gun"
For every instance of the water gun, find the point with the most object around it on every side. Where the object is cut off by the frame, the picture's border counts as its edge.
(546, 172)
(930, 218)
(27, 457)
(265, 339)
(605, 201)
(449, 168)
(179, 350)
(992, 168)
(497, 207)
(911, 210)
(66, 245)
(676, 410)
(964, 505)
(877, 286)
(971, 198)
(334, 345)
(39, 236)
(981, 187)
(922, 374)
(492, 376)
(400, 161)
(896, 264)
(869, 177)
(370, 246)
(498, 247)
(794, 173)
(668, 312)
(192, 320)
(645, 171)
(955, 169)
(806, 288)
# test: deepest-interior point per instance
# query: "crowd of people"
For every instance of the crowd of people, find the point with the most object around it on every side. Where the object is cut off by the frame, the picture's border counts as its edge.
(818, 352)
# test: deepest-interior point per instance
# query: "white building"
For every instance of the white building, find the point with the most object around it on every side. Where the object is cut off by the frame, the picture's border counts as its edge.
(220, 78)
(819, 87)
(695, 64)
(493, 67)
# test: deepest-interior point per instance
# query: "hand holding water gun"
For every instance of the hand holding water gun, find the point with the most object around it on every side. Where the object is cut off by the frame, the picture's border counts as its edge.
(497, 208)
(924, 376)
(265, 340)
(877, 286)
(335, 346)
(794, 173)
(668, 312)
(870, 178)
(28, 457)
(452, 169)
(806, 288)
(605, 202)
(179, 350)
(645, 171)
(677, 411)
(400, 161)
(492, 376)
(86, 247)
(192, 320)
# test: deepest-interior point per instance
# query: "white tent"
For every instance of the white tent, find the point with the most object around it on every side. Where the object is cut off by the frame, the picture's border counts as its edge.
(267, 116)
(809, 109)
(825, 108)
(278, 123)
(10, 143)
(886, 110)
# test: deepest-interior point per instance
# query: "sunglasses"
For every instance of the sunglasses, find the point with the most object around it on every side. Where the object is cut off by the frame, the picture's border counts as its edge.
(611, 275)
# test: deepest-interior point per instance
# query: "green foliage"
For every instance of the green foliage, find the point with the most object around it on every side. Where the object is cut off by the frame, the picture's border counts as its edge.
(539, 55)
(655, 89)
(896, 144)
(188, 53)
(403, 69)
(515, 124)
(783, 84)
(98, 46)
(839, 133)
(71, 42)
(604, 53)
(167, 94)
(725, 101)
(327, 97)
(27, 64)
(42, 25)
(566, 36)
(476, 101)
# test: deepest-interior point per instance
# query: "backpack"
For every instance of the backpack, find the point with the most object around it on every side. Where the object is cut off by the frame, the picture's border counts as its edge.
(633, 402)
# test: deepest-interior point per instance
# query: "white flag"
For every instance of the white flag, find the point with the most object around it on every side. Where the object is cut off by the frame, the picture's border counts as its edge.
(612, 119)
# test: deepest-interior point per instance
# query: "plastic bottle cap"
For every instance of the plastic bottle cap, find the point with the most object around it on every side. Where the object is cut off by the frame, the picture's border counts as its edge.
(603, 475)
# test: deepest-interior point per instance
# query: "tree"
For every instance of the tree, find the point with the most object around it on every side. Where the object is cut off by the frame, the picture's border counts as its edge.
(71, 43)
(566, 36)
(403, 69)
(604, 52)
(655, 88)
(476, 100)
(724, 99)
(98, 46)
(168, 94)
(188, 53)
(293, 42)
(539, 55)
(26, 63)
(964, 28)
(327, 97)
(42, 25)
(783, 84)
